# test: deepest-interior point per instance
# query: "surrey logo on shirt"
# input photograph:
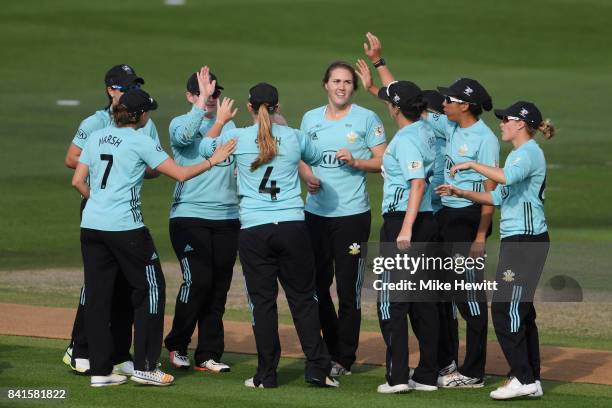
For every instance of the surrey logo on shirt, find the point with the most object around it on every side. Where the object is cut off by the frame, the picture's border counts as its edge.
(354, 249)
(81, 134)
(415, 165)
(379, 131)
(463, 150)
(508, 276)
(351, 137)
(516, 161)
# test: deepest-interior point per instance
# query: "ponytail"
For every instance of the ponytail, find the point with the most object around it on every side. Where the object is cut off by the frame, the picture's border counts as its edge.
(265, 140)
(546, 128)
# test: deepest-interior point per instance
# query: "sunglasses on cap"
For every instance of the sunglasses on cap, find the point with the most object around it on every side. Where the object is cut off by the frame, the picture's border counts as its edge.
(507, 119)
(125, 88)
(215, 95)
(452, 99)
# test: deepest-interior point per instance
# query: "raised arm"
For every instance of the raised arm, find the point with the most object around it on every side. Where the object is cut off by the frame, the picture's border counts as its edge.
(184, 173)
(373, 50)
(225, 113)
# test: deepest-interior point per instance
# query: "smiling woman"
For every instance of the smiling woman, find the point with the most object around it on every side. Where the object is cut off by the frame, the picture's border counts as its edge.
(338, 206)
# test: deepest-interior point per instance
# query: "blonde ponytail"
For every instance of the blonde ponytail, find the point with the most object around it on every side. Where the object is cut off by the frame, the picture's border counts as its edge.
(265, 140)
(547, 129)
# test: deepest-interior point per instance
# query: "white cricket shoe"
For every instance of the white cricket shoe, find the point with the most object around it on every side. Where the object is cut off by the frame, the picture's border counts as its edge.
(421, 387)
(393, 389)
(449, 369)
(540, 392)
(458, 380)
(250, 383)
(155, 377)
(338, 369)
(81, 365)
(179, 359)
(107, 380)
(512, 389)
(212, 365)
(125, 368)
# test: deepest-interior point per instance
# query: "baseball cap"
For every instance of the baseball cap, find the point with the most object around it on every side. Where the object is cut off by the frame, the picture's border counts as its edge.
(122, 75)
(523, 110)
(194, 88)
(434, 100)
(263, 93)
(469, 90)
(137, 101)
(402, 94)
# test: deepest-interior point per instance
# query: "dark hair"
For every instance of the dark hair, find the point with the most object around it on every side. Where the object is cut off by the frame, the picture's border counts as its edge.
(122, 117)
(476, 110)
(341, 65)
(414, 111)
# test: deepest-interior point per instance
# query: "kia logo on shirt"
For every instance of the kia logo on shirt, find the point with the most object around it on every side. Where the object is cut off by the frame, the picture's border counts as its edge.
(329, 160)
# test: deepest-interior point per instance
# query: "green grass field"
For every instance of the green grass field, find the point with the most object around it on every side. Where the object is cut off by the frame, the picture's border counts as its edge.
(555, 52)
(551, 51)
(35, 363)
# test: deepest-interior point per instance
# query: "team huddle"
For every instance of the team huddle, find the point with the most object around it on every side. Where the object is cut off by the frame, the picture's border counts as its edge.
(238, 192)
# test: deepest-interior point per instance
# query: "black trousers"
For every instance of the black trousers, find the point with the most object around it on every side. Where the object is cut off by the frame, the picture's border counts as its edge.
(458, 228)
(448, 345)
(332, 239)
(121, 321)
(521, 261)
(106, 255)
(207, 252)
(272, 252)
(392, 315)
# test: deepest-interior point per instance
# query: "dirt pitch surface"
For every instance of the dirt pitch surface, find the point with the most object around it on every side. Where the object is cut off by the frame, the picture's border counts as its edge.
(558, 363)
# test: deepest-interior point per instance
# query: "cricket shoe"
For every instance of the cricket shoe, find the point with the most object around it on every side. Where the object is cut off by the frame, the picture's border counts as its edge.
(458, 380)
(250, 383)
(81, 365)
(449, 369)
(540, 392)
(513, 388)
(393, 389)
(155, 377)
(338, 369)
(67, 356)
(328, 382)
(125, 368)
(421, 387)
(107, 380)
(179, 359)
(212, 365)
